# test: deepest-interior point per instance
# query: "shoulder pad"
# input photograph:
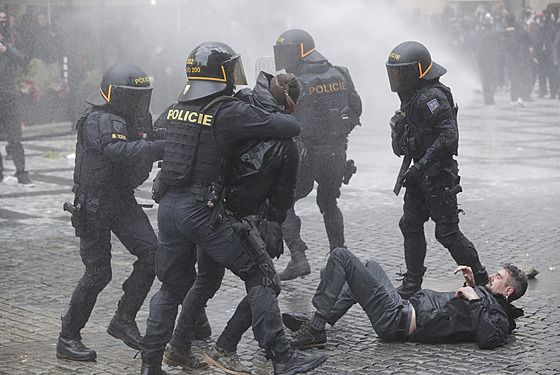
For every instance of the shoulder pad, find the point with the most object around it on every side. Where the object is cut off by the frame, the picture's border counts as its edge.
(112, 128)
(432, 100)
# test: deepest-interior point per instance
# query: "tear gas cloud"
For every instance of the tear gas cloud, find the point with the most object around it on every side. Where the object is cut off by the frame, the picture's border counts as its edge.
(358, 34)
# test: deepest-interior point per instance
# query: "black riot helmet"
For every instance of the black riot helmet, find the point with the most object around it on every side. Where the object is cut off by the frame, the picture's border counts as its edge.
(293, 47)
(408, 63)
(212, 67)
(125, 90)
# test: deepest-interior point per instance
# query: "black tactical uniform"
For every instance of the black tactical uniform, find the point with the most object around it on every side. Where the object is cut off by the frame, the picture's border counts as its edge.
(10, 122)
(329, 108)
(203, 129)
(425, 131)
(112, 159)
(260, 189)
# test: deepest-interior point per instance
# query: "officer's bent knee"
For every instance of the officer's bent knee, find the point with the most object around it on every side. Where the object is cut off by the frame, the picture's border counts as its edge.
(98, 278)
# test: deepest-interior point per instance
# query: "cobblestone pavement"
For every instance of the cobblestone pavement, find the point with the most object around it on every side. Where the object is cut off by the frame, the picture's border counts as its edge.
(510, 167)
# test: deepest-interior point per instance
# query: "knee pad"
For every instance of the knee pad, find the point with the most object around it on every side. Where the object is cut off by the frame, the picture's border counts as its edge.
(446, 234)
(408, 226)
(97, 278)
(265, 276)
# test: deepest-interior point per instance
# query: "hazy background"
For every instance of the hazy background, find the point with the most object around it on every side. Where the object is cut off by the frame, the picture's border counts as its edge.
(353, 33)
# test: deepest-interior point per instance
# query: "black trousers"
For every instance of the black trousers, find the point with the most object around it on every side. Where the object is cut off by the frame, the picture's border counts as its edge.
(433, 197)
(128, 221)
(184, 225)
(346, 281)
(324, 165)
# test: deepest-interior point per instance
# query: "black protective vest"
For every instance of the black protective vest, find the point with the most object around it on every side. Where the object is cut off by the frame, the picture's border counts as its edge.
(422, 134)
(92, 169)
(323, 96)
(191, 153)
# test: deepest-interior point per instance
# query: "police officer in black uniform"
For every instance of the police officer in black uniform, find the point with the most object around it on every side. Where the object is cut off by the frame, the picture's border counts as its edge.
(260, 189)
(203, 128)
(112, 159)
(329, 108)
(424, 130)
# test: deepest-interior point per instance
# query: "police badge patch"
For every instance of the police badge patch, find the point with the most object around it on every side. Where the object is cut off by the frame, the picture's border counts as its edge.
(118, 126)
(433, 105)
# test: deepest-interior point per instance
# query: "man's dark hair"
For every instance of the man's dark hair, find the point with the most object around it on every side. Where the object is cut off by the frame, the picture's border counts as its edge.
(518, 280)
(292, 82)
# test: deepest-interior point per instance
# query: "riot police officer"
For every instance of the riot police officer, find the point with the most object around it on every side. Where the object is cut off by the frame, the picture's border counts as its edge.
(329, 108)
(112, 159)
(260, 189)
(424, 130)
(203, 128)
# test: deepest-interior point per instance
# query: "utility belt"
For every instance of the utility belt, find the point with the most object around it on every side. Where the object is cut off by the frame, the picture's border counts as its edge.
(213, 195)
(196, 188)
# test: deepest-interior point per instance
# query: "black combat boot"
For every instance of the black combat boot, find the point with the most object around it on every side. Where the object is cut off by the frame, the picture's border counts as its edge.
(123, 327)
(73, 349)
(293, 362)
(412, 282)
(152, 369)
(297, 266)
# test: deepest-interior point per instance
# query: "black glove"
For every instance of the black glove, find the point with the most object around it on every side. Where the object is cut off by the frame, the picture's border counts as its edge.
(413, 174)
(271, 233)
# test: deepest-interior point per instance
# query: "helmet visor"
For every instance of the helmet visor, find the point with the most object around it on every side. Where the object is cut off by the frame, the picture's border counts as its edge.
(235, 70)
(132, 101)
(403, 77)
(285, 55)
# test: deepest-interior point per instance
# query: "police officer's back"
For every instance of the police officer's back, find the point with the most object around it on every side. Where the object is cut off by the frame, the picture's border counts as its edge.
(329, 108)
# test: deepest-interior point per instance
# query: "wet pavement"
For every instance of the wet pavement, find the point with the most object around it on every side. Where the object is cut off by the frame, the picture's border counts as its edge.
(510, 167)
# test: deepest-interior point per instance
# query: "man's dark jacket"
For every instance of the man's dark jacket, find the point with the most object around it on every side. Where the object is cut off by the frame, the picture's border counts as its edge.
(442, 318)
(263, 169)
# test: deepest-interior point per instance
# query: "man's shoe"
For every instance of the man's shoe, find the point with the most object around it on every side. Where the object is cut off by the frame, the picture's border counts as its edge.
(74, 350)
(152, 369)
(185, 358)
(295, 268)
(23, 178)
(294, 321)
(309, 337)
(295, 362)
(125, 329)
(226, 361)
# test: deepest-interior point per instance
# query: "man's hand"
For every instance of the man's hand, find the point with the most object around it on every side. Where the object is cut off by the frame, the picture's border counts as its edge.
(466, 292)
(467, 274)
(2, 48)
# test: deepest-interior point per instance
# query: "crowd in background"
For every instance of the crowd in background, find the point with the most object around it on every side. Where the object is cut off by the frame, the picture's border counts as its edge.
(517, 53)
